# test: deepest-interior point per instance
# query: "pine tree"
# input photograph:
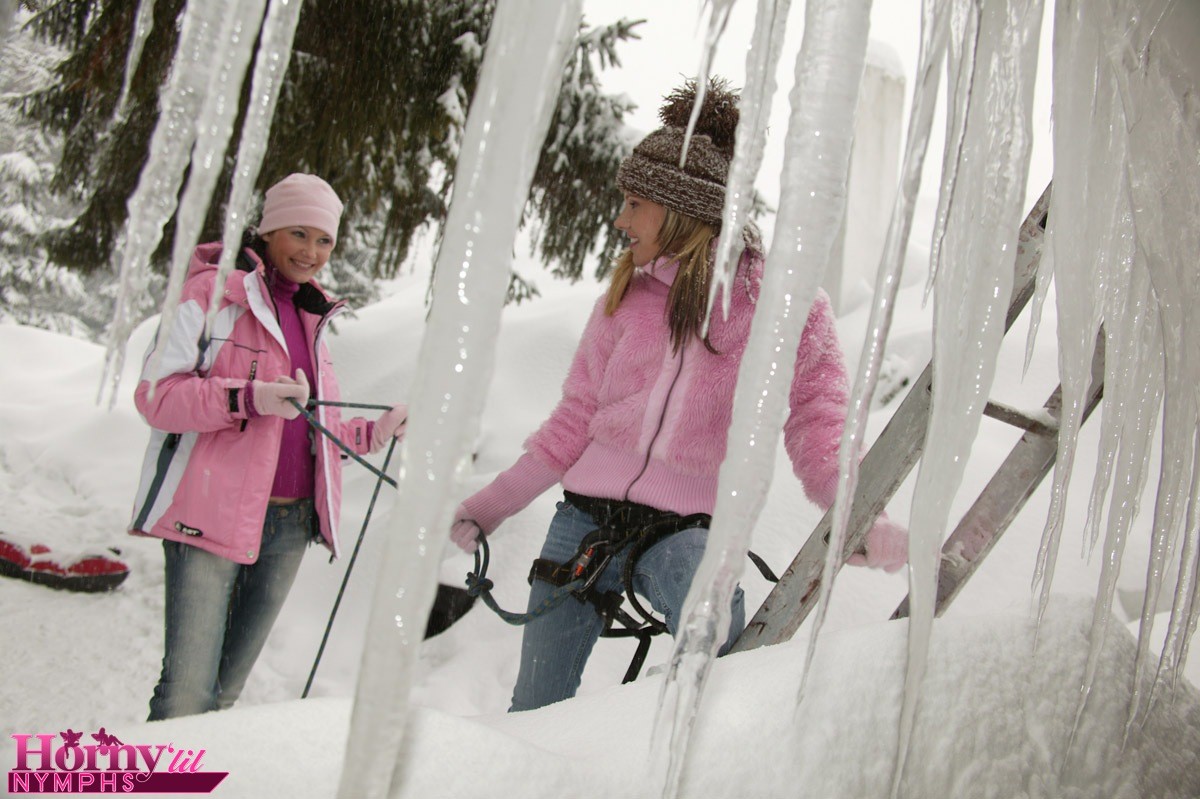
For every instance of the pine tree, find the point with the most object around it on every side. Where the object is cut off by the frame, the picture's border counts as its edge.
(35, 291)
(374, 100)
(574, 194)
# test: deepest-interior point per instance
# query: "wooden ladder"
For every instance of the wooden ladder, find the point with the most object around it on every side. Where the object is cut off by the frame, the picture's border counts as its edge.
(896, 451)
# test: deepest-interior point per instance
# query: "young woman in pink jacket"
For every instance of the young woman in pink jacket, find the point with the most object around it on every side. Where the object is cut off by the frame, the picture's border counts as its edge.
(640, 432)
(234, 481)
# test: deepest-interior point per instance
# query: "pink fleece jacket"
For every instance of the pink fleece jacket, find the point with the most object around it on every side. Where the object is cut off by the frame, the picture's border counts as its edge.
(640, 422)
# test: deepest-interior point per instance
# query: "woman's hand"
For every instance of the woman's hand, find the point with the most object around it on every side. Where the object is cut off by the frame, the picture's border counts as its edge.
(886, 546)
(391, 424)
(271, 399)
(464, 532)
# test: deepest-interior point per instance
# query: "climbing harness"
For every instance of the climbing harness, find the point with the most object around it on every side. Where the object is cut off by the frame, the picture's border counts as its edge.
(621, 525)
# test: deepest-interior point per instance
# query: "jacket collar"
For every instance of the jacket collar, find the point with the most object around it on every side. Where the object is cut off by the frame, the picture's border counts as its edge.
(663, 269)
(206, 258)
(666, 267)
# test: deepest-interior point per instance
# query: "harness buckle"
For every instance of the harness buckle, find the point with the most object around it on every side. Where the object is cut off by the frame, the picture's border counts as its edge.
(589, 566)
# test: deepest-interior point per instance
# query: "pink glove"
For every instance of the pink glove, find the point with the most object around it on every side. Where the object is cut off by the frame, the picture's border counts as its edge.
(464, 532)
(887, 546)
(272, 398)
(391, 424)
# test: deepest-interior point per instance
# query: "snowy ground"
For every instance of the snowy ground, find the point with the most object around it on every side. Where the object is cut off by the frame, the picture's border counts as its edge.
(995, 714)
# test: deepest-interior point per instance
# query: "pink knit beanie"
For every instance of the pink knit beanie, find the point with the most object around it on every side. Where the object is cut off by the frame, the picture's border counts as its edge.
(301, 200)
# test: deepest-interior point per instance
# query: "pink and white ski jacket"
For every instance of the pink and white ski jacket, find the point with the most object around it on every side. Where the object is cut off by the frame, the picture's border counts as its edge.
(640, 422)
(208, 470)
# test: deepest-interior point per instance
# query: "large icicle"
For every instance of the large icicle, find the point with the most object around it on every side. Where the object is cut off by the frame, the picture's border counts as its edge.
(270, 64)
(1078, 245)
(1143, 386)
(974, 284)
(1182, 623)
(217, 113)
(934, 26)
(1163, 127)
(1179, 425)
(156, 195)
(816, 164)
(509, 115)
(762, 58)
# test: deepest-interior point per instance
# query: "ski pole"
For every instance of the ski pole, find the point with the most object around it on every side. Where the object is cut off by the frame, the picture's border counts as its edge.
(350, 566)
(341, 444)
(360, 405)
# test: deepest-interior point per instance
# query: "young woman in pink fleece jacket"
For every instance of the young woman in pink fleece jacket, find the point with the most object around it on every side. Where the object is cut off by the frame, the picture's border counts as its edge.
(234, 482)
(643, 421)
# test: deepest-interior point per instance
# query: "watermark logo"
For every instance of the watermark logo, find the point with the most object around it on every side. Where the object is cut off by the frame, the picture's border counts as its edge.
(106, 765)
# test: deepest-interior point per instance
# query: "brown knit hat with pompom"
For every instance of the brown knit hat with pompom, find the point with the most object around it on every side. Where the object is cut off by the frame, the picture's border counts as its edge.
(698, 189)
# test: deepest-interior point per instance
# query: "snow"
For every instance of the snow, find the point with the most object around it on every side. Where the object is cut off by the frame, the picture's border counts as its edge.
(995, 714)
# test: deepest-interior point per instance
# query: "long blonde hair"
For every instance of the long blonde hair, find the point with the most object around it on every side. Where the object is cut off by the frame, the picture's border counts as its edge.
(690, 241)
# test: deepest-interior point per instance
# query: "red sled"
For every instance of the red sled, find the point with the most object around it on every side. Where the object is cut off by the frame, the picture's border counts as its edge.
(90, 572)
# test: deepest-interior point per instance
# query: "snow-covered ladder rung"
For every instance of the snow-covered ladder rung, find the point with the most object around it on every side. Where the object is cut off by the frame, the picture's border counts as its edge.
(1042, 424)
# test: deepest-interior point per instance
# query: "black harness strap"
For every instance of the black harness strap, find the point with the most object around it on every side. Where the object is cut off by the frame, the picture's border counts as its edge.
(621, 525)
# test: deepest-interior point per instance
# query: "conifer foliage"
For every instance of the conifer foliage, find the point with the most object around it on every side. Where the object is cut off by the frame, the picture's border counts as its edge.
(375, 101)
(33, 290)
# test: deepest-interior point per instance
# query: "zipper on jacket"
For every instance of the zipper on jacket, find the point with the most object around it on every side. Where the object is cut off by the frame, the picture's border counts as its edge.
(319, 331)
(333, 311)
(165, 456)
(662, 418)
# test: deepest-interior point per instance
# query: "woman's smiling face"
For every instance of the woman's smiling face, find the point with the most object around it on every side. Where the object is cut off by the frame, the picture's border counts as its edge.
(641, 220)
(299, 253)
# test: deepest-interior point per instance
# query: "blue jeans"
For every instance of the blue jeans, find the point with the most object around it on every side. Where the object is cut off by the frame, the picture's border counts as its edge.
(556, 646)
(218, 613)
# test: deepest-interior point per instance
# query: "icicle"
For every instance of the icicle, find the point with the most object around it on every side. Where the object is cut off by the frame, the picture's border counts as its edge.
(718, 16)
(1182, 622)
(1042, 283)
(762, 57)
(1119, 363)
(270, 65)
(1135, 443)
(1178, 425)
(143, 23)
(887, 282)
(817, 157)
(221, 97)
(1077, 256)
(155, 197)
(964, 43)
(974, 283)
(509, 116)
(1164, 136)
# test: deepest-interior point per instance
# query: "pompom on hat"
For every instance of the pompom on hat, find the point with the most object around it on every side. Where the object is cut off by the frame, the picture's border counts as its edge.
(698, 188)
(301, 200)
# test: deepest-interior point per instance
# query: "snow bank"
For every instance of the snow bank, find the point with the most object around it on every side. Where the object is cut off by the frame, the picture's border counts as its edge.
(995, 720)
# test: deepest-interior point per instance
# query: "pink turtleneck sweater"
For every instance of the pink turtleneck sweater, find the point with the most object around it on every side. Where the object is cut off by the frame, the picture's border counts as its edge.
(294, 475)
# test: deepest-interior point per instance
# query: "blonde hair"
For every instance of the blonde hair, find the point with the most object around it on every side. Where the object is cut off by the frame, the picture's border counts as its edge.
(690, 241)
